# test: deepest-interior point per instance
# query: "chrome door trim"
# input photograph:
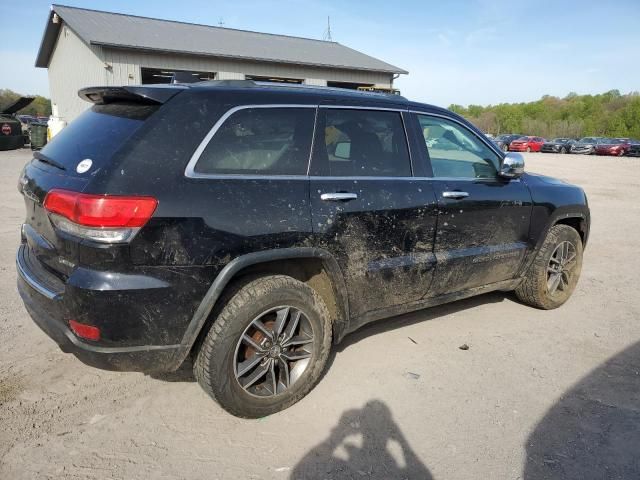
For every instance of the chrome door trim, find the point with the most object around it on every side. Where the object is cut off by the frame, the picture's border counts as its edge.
(338, 196)
(190, 172)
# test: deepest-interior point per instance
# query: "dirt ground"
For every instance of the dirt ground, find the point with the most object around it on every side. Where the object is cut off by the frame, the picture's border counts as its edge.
(537, 395)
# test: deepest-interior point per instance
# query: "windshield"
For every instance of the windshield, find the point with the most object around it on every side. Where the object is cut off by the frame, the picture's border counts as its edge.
(96, 134)
(560, 140)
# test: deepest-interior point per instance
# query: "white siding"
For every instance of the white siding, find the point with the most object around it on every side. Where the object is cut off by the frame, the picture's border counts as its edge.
(125, 62)
(318, 82)
(73, 65)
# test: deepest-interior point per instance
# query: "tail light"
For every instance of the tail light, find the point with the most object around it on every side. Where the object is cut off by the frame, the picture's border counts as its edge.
(102, 218)
(85, 331)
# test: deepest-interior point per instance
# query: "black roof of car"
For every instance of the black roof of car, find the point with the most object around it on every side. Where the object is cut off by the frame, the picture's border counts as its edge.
(162, 92)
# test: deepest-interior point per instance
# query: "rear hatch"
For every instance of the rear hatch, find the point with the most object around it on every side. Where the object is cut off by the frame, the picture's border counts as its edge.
(69, 162)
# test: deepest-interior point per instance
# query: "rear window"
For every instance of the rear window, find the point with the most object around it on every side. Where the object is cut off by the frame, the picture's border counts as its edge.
(97, 134)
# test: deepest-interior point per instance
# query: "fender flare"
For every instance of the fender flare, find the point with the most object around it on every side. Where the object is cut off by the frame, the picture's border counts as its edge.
(239, 263)
(562, 213)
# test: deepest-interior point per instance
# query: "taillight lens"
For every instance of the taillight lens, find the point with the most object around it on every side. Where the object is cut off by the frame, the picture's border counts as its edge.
(85, 331)
(104, 218)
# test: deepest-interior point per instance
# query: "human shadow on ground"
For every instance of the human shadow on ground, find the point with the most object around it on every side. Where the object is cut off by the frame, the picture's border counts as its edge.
(593, 431)
(366, 443)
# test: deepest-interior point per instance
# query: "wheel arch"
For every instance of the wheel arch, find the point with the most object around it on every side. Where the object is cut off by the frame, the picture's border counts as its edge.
(300, 263)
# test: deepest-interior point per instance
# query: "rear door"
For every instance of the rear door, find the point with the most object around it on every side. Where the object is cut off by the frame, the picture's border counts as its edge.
(483, 220)
(368, 210)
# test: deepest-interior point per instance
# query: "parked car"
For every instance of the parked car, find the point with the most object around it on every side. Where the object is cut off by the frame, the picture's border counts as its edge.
(634, 149)
(11, 134)
(255, 246)
(586, 145)
(527, 144)
(613, 146)
(503, 141)
(558, 145)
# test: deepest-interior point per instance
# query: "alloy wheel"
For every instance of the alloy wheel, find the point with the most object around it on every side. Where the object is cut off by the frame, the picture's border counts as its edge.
(274, 351)
(561, 267)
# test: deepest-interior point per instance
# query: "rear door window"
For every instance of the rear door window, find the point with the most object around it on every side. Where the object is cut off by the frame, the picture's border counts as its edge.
(97, 134)
(369, 143)
(263, 141)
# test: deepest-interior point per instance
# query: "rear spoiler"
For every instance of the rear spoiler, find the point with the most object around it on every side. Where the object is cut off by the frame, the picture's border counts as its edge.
(144, 94)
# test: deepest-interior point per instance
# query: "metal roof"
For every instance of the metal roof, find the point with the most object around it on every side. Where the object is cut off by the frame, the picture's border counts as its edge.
(141, 33)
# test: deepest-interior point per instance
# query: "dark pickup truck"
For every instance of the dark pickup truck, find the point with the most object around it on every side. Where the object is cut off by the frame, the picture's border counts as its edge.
(251, 226)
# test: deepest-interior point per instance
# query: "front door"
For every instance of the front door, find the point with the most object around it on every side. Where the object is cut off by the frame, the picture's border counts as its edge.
(483, 220)
(367, 209)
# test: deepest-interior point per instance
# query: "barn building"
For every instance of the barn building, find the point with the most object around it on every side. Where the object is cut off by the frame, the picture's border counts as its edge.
(83, 48)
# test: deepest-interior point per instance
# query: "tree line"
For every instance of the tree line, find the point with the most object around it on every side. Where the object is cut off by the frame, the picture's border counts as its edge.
(40, 106)
(609, 114)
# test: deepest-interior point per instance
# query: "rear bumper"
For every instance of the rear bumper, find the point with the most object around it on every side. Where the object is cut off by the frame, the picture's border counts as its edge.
(50, 308)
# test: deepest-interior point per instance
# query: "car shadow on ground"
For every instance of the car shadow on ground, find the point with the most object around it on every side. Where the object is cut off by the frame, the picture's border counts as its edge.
(366, 443)
(593, 431)
(185, 372)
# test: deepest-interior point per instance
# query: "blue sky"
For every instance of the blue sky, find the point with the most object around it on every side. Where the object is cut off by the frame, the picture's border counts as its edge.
(456, 51)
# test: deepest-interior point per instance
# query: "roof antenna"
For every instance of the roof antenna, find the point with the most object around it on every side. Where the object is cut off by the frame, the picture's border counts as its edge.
(327, 32)
(221, 22)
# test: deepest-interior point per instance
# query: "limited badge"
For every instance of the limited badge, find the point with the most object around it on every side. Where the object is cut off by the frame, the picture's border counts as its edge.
(84, 165)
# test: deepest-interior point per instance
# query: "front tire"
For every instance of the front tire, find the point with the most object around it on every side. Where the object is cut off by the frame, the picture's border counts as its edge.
(554, 274)
(266, 348)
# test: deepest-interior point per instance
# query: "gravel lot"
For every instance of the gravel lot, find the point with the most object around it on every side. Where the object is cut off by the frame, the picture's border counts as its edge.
(537, 395)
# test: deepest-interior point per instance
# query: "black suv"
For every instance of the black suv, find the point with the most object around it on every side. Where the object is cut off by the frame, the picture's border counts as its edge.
(251, 226)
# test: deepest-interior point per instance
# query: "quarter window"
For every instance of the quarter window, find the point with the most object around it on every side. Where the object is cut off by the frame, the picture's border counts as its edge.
(268, 141)
(353, 142)
(455, 151)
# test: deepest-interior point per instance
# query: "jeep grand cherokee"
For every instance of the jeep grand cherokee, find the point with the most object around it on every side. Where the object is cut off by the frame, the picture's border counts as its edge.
(252, 226)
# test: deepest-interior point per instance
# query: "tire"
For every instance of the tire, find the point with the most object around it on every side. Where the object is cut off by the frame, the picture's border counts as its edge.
(528, 149)
(263, 299)
(563, 150)
(535, 289)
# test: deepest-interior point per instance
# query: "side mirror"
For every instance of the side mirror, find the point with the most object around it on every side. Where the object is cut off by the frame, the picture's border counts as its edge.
(512, 165)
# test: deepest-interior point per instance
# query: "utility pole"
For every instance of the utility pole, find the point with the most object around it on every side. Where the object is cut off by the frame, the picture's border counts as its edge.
(327, 32)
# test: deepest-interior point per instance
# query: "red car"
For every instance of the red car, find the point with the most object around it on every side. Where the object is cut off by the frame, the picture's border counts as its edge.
(613, 146)
(527, 144)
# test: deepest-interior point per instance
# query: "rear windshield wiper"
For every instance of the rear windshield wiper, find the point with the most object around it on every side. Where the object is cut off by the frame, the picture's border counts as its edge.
(44, 159)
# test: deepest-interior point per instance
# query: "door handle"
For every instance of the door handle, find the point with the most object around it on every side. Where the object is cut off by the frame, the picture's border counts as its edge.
(338, 197)
(455, 195)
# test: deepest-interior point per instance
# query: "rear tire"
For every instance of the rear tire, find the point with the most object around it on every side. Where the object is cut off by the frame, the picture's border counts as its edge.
(251, 334)
(554, 274)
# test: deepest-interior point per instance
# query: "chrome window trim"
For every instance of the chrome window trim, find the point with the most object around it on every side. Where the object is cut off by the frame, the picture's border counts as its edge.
(493, 148)
(363, 107)
(190, 172)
